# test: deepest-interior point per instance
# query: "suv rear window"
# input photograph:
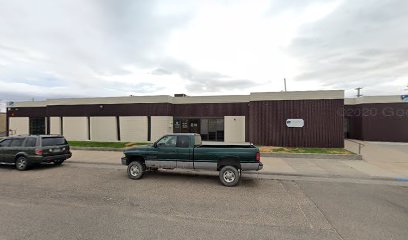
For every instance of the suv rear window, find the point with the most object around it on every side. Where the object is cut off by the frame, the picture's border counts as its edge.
(53, 141)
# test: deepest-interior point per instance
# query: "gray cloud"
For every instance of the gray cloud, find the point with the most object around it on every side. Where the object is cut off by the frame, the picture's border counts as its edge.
(361, 44)
(277, 7)
(160, 71)
(72, 43)
(201, 81)
(69, 48)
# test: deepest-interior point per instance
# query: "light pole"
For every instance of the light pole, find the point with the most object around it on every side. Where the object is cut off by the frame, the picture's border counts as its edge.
(358, 92)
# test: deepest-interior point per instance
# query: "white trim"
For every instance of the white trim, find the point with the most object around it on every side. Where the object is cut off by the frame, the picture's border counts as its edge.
(161, 164)
(297, 95)
(205, 165)
(373, 99)
(257, 96)
(211, 99)
(185, 164)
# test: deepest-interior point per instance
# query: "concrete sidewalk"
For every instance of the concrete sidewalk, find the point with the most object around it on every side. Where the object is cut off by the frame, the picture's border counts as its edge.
(281, 166)
(391, 158)
(329, 168)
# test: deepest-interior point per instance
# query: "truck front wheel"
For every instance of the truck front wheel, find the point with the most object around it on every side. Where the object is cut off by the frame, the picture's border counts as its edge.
(229, 176)
(135, 170)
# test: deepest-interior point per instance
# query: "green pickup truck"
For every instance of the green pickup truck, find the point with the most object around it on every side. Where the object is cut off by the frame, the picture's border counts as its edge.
(186, 151)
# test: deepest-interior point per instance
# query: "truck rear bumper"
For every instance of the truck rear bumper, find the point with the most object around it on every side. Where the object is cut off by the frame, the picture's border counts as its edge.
(251, 166)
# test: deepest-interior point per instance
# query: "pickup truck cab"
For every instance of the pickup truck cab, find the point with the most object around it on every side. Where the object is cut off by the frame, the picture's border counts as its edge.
(186, 151)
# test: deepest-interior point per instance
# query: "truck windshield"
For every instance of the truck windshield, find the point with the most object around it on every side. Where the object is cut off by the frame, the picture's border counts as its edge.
(52, 141)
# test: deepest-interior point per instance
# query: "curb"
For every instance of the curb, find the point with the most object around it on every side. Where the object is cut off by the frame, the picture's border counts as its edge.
(96, 163)
(277, 155)
(324, 176)
(314, 155)
(97, 149)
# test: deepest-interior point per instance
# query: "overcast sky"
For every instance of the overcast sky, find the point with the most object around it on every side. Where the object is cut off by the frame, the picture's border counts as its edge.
(77, 48)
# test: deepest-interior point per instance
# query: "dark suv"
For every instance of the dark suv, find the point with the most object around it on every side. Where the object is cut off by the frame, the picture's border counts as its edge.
(26, 150)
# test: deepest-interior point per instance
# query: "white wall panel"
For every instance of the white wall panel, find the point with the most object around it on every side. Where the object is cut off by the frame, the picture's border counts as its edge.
(133, 129)
(3, 121)
(75, 128)
(161, 125)
(19, 125)
(55, 125)
(104, 129)
(234, 129)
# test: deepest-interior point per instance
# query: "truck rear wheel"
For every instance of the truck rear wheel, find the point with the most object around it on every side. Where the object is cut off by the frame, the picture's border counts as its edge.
(135, 170)
(229, 176)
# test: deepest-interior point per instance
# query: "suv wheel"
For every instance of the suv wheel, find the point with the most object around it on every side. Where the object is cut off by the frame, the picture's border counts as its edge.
(22, 163)
(229, 176)
(135, 170)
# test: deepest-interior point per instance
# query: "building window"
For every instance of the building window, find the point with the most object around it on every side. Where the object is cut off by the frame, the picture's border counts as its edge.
(37, 125)
(210, 129)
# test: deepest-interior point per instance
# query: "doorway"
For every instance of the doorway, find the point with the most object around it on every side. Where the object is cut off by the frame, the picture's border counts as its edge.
(37, 125)
(210, 129)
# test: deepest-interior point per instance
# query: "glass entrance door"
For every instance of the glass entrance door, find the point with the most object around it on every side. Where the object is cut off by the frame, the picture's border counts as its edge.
(210, 129)
(216, 129)
(37, 125)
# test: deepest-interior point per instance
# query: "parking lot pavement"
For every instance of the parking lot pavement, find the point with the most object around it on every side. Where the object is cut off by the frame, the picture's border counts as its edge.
(106, 157)
(85, 201)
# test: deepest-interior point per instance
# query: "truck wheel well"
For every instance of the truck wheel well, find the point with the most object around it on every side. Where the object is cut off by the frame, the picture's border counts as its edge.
(229, 162)
(134, 158)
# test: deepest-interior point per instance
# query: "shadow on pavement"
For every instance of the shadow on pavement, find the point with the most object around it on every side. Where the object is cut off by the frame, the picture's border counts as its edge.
(169, 175)
(34, 167)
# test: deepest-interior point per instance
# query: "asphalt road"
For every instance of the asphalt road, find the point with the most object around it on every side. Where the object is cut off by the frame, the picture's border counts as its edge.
(85, 201)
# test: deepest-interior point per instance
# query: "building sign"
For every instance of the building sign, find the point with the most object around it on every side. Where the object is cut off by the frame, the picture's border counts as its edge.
(404, 98)
(295, 123)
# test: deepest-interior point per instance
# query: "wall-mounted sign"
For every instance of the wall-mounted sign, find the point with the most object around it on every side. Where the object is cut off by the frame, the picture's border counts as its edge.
(295, 123)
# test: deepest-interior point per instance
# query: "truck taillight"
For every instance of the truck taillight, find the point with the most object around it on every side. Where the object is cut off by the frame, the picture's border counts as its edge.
(258, 156)
(38, 151)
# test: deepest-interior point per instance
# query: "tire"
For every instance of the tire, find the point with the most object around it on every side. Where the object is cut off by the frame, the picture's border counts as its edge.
(22, 163)
(229, 176)
(135, 170)
(58, 162)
